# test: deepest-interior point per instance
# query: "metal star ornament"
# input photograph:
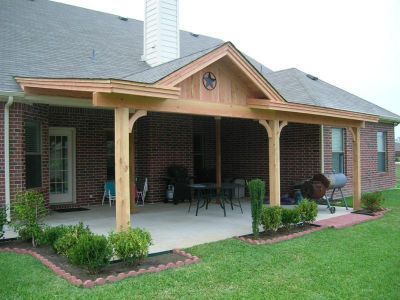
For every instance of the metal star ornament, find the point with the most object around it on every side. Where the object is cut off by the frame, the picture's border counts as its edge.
(209, 81)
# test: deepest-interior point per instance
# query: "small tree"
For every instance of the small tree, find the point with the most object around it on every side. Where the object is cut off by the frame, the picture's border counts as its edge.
(372, 201)
(28, 214)
(257, 195)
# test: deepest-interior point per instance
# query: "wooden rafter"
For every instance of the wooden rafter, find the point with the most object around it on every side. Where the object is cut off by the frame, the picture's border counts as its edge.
(91, 86)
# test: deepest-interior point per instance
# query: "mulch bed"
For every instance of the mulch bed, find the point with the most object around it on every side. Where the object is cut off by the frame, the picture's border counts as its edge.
(115, 271)
(282, 234)
(367, 212)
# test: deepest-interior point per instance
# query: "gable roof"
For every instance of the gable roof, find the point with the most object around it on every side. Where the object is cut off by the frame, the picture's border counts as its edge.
(52, 40)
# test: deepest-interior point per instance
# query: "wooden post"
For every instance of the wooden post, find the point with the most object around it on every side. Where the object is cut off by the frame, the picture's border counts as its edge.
(218, 153)
(122, 202)
(132, 120)
(132, 174)
(356, 167)
(274, 128)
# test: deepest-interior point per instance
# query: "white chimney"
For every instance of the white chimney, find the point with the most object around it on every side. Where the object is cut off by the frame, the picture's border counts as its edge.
(161, 31)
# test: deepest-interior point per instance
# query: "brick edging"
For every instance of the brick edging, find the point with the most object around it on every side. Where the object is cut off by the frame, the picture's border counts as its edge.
(377, 216)
(190, 259)
(280, 238)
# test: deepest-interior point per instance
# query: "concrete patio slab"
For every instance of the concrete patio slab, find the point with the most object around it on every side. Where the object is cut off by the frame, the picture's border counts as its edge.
(172, 226)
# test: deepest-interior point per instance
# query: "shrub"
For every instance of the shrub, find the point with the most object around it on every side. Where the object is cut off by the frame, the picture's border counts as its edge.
(131, 245)
(92, 252)
(271, 217)
(257, 194)
(50, 235)
(308, 210)
(70, 238)
(3, 221)
(372, 201)
(290, 217)
(29, 212)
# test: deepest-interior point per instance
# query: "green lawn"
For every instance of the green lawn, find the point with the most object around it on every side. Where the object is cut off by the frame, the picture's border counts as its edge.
(362, 262)
(398, 175)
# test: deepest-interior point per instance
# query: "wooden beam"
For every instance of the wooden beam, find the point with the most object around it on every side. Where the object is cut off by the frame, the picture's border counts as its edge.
(310, 110)
(194, 107)
(356, 167)
(132, 173)
(122, 202)
(218, 153)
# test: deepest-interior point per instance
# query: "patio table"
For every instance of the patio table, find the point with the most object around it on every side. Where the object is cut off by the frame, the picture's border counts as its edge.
(203, 191)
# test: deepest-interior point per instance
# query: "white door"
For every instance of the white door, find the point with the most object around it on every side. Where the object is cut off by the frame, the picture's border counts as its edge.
(62, 165)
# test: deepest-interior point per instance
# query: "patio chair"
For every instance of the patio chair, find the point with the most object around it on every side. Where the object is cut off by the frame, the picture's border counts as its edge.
(141, 192)
(109, 192)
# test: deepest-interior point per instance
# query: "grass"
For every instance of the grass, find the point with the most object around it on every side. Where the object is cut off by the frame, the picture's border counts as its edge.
(398, 175)
(361, 262)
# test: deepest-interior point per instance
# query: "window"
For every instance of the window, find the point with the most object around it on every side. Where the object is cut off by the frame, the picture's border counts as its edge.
(338, 150)
(110, 155)
(33, 154)
(382, 152)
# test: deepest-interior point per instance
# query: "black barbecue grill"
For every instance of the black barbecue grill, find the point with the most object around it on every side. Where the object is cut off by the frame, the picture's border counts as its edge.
(319, 185)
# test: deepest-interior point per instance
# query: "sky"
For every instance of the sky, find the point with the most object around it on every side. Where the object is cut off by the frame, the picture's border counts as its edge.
(352, 44)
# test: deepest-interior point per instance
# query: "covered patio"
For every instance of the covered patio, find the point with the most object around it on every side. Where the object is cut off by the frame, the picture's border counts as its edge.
(241, 94)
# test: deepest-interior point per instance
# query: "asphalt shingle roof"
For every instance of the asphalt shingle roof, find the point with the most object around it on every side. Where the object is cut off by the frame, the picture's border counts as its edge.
(297, 87)
(48, 39)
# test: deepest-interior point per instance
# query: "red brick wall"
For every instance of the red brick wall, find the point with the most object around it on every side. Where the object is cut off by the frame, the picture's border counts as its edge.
(19, 113)
(245, 151)
(167, 140)
(300, 154)
(371, 179)
(91, 164)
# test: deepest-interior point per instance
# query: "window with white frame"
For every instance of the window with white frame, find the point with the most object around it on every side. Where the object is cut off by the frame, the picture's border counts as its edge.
(33, 154)
(338, 150)
(382, 151)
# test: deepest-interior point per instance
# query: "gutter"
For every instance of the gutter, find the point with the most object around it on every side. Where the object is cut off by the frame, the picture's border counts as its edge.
(7, 156)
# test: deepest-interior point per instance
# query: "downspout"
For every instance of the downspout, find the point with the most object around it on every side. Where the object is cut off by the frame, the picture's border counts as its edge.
(7, 156)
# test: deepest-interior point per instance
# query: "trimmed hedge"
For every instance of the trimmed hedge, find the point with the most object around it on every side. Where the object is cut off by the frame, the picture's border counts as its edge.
(271, 217)
(131, 245)
(70, 238)
(308, 210)
(90, 251)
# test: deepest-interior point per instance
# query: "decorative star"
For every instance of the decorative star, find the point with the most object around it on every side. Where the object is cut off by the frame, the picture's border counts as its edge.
(209, 81)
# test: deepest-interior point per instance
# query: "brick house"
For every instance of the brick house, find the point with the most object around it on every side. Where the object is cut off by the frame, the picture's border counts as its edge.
(88, 97)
